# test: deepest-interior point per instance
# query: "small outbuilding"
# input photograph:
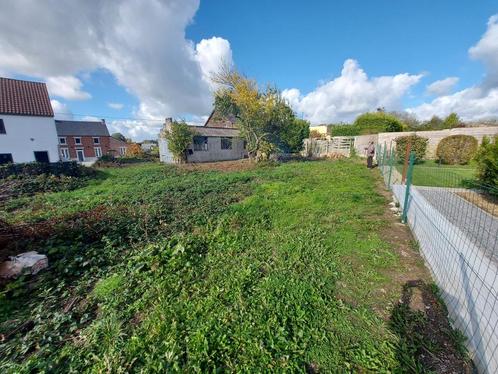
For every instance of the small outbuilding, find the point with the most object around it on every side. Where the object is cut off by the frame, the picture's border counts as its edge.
(217, 140)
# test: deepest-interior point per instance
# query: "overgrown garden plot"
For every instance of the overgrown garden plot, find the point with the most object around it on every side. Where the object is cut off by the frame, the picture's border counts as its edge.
(154, 268)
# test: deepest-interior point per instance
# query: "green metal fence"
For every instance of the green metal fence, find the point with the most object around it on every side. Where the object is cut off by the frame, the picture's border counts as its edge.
(454, 218)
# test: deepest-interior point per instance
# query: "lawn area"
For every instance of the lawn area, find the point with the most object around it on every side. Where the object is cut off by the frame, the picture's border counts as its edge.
(430, 173)
(154, 268)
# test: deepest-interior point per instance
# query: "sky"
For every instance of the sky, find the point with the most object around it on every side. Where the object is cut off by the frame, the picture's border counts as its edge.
(136, 62)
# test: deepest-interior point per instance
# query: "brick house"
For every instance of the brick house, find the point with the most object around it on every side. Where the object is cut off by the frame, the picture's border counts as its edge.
(82, 141)
(118, 148)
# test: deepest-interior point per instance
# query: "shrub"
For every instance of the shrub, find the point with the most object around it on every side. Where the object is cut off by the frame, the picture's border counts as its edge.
(378, 122)
(69, 169)
(179, 137)
(487, 162)
(418, 145)
(457, 149)
(344, 130)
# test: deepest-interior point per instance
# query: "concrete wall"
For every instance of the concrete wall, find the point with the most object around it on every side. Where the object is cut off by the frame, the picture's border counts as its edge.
(215, 153)
(361, 142)
(436, 136)
(164, 154)
(25, 135)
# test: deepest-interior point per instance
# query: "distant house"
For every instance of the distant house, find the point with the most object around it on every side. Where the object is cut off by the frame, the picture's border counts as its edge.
(27, 129)
(82, 141)
(217, 140)
(117, 147)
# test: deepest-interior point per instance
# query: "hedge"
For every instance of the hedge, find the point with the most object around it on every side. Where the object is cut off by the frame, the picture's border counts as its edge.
(68, 169)
(457, 149)
(418, 145)
(381, 121)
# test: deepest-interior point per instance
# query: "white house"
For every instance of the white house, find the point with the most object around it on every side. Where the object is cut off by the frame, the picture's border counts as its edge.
(27, 125)
(217, 140)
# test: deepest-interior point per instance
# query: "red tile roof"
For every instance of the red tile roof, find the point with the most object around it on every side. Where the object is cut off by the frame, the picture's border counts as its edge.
(24, 98)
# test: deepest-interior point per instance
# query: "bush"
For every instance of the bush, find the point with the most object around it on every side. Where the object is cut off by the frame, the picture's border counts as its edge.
(487, 162)
(457, 149)
(344, 130)
(378, 122)
(418, 145)
(69, 169)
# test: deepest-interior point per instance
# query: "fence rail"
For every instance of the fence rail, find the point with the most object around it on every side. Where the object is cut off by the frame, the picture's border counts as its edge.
(455, 221)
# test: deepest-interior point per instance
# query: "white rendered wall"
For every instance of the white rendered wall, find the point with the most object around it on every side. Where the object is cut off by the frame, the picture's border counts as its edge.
(164, 154)
(25, 135)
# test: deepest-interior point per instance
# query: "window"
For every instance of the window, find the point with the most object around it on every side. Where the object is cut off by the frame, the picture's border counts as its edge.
(65, 153)
(122, 151)
(77, 140)
(41, 156)
(226, 143)
(5, 158)
(200, 143)
(2, 130)
(98, 151)
(96, 140)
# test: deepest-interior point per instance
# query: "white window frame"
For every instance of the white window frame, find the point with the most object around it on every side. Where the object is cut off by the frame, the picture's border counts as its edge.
(62, 140)
(98, 151)
(98, 140)
(65, 154)
(3, 130)
(122, 151)
(75, 142)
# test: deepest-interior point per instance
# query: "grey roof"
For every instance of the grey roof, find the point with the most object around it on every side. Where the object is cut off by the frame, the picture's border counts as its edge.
(216, 131)
(83, 128)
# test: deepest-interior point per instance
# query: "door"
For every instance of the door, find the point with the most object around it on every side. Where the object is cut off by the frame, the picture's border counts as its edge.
(80, 155)
(41, 156)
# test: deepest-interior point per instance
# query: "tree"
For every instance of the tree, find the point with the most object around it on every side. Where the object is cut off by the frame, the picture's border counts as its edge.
(261, 116)
(378, 122)
(119, 136)
(134, 150)
(293, 134)
(435, 123)
(179, 136)
(451, 121)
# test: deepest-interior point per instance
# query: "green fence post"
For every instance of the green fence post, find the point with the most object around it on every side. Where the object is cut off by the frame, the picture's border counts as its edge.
(384, 157)
(409, 174)
(391, 164)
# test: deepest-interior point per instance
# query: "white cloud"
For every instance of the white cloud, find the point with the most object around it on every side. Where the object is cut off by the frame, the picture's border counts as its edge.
(116, 106)
(137, 130)
(476, 102)
(211, 53)
(350, 94)
(61, 111)
(442, 87)
(67, 87)
(142, 43)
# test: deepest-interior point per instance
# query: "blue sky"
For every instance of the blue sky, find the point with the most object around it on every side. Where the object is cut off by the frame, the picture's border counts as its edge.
(130, 60)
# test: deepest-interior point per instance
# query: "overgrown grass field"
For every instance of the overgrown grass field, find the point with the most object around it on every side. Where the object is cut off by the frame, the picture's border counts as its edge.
(432, 174)
(154, 269)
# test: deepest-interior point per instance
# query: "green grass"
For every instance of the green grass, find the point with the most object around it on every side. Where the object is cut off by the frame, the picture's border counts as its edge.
(272, 269)
(430, 173)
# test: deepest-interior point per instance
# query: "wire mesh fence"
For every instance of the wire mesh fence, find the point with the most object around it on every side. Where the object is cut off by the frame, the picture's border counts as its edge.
(455, 221)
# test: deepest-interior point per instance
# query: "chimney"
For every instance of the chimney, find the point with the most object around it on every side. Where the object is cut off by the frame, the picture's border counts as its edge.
(168, 121)
(103, 121)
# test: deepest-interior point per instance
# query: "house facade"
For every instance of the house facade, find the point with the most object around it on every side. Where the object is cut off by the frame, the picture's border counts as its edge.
(217, 140)
(27, 129)
(82, 141)
(117, 147)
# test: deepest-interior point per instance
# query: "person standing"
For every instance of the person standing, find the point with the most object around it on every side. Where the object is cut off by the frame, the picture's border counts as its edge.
(370, 154)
